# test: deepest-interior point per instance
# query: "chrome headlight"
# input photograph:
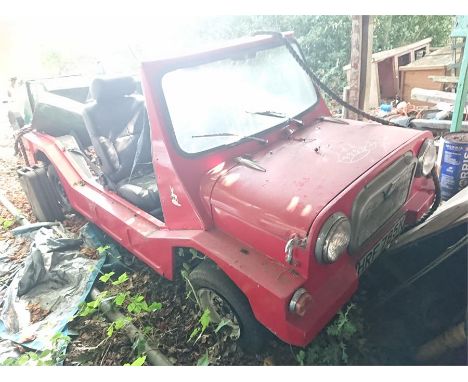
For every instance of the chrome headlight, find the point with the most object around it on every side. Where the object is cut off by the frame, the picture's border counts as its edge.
(427, 157)
(333, 238)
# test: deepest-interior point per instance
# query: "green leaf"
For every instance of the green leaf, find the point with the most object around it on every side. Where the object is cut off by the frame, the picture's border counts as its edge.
(87, 309)
(93, 304)
(138, 304)
(33, 356)
(154, 307)
(117, 325)
(349, 329)
(139, 345)
(10, 361)
(205, 319)
(138, 362)
(131, 307)
(194, 333)
(204, 360)
(45, 353)
(184, 273)
(110, 329)
(121, 322)
(300, 357)
(101, 296)
(122, 278)
(134, 307)
(7, 223)
(120, 298)
(102, 249)
(105, 277)
(87, 312)
(23, 359)
(222, 324)
(60, 337)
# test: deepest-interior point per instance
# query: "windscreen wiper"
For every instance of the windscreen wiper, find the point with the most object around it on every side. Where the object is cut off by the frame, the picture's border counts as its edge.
(276, 114)
(262, 140)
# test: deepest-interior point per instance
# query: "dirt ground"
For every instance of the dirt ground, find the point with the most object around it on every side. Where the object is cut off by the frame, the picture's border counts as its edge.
(370, 335)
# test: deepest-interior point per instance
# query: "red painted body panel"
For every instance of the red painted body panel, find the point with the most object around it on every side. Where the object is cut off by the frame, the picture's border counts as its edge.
(241, 218)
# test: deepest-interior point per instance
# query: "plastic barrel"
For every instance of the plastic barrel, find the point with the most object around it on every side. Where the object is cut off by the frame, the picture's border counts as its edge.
(454, 164)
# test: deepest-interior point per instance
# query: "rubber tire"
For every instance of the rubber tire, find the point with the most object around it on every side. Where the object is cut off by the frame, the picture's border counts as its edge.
(55, 181)
(209, 275)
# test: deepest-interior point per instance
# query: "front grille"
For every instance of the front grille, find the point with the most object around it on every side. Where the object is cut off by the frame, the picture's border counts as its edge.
(379, 200)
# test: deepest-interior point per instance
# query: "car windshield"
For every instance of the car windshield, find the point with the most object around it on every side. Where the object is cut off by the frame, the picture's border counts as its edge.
(222, 102)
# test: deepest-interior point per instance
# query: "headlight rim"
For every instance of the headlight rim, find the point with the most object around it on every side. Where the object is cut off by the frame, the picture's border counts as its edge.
(427, 145)
(326, 229)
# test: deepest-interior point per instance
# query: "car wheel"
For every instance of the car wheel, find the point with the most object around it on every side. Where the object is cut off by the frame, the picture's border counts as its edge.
(216, 292)
(59, 191)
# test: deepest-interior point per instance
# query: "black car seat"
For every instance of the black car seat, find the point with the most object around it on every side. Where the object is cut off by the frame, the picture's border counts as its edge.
(59, 116)
(117, 123)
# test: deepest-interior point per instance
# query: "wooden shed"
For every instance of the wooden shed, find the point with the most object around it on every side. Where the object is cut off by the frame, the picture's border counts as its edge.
(427, 73)
(385, 70)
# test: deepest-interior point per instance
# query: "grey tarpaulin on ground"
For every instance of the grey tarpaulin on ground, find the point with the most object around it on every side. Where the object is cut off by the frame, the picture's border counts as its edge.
(8, 268)
(56, 277)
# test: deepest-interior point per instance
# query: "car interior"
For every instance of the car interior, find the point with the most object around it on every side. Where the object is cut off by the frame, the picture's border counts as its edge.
(115, 124)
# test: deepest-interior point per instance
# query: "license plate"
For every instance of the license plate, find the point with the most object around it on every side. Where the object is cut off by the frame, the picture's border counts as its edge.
(383, 244)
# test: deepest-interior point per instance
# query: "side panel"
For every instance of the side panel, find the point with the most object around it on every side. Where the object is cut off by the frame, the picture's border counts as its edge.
(128, 225)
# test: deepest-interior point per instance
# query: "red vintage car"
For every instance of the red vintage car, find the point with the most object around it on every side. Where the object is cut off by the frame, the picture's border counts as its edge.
(233, 153)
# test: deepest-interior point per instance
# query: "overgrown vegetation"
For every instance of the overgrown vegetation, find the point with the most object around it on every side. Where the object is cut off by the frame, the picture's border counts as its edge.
(340, 343)
(225, 333)
(134, 305)
(204, 321)
(138, 362)
(326, 40)
(394, 31)
(48, 357)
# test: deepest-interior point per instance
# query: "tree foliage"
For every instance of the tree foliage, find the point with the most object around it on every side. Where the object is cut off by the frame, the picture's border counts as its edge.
(394, 31)
(326, 40)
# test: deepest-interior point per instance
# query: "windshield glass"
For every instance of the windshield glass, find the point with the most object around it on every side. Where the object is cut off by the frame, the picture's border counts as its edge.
(217, 103)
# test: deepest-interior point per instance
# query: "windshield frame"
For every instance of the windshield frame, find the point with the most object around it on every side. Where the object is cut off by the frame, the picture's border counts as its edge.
(220, 55)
